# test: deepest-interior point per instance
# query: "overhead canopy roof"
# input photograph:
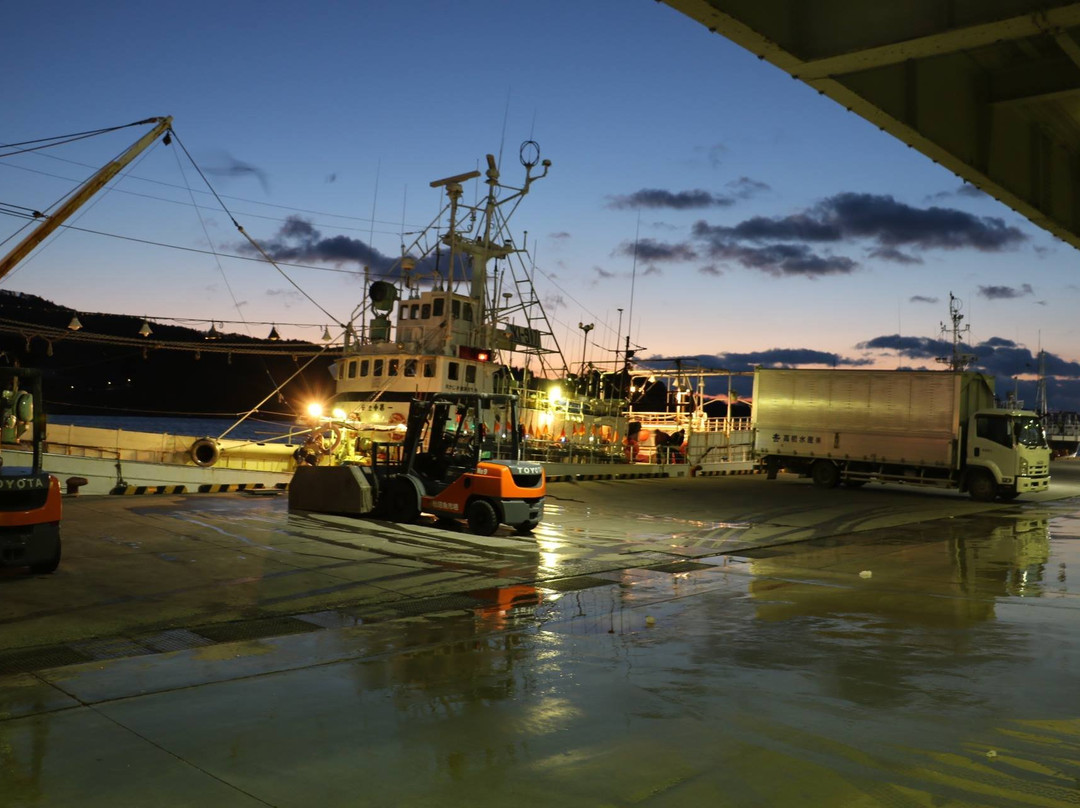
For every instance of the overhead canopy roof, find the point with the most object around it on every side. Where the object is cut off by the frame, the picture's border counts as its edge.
(990, 89)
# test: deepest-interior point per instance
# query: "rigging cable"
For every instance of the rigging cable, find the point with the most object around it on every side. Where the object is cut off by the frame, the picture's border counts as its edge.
(252, 241)
(60, 140)
(217, 260)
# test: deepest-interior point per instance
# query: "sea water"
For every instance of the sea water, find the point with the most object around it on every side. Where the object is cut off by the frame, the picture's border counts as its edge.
(251, 429)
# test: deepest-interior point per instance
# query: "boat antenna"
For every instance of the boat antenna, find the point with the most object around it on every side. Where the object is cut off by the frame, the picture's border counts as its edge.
(633, 281)
(506, 117)
(958, 360)
(374, 202)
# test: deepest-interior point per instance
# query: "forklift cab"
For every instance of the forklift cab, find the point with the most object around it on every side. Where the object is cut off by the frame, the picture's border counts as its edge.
(453, 440)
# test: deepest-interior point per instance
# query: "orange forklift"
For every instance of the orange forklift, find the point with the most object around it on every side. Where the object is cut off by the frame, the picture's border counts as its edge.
(29, 498)
(460, 459)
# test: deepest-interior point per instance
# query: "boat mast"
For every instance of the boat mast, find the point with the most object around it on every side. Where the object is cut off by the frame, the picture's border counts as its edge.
(958, 360)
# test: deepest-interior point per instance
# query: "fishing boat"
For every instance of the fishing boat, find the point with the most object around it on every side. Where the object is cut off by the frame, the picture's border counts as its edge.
(458, 313)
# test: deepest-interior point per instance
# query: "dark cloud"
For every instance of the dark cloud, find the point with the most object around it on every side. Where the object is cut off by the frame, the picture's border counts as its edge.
(225, 165)
(554, 301)
(298, 241)
(675, 200)
(773, 357)
(762, 228)
(881, 219)
(604, 273)
(775, 259)
(745, 188)
(653, 270)
(966, 190)
(714, 154)
(648, 249)
(1000, 357)
(922, 299)
(893, 223)
(562, 234)
(1005, 292)
(894, 255)
(911, 347)
(780, 245)
(710, 269)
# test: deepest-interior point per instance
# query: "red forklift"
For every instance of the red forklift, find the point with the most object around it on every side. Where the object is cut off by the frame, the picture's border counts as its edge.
(460, 459)
(29, 498)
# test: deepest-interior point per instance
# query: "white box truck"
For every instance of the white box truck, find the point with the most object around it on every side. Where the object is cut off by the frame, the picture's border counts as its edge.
(927, 427)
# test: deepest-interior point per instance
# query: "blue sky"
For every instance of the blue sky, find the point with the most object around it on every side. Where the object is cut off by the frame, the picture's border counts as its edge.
(772, 224)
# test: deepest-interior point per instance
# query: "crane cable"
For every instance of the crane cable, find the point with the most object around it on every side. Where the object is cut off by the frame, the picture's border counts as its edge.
(60, 140)
(253, 242)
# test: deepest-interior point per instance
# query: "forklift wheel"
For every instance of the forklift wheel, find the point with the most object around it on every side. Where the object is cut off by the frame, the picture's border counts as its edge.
(525, 528)
(46, 567)
(401, 504)
(483, 521)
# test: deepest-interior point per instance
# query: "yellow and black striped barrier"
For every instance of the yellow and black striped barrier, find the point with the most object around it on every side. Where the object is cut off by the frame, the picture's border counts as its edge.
(135, 490)
(570, 478)
(206, 488)
(725, 472)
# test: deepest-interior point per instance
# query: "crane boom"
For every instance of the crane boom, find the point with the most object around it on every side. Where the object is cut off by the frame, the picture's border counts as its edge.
(84, 192)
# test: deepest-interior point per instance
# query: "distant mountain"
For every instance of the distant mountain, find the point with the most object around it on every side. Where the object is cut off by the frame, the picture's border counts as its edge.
(102, 378)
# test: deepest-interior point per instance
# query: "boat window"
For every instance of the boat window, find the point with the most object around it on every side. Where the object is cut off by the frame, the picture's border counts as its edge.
(995, 428)
(364, 365)
(470, 373)
(352, 369)
(455, 308)
(410, 367)
(425, 311)
(429, 369)
(467, 314)
(393, 367)
(404, 312)
(452, 371)
(438, 306)
(377, 371)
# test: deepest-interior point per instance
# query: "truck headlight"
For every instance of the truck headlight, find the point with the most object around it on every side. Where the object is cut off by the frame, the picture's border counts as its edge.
(1023, 465)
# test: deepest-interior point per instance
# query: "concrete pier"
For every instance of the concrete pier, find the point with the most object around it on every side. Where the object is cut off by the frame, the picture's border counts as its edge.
(693, 641)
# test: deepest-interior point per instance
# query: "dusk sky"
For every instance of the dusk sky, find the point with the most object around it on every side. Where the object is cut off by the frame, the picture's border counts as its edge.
(773, 226)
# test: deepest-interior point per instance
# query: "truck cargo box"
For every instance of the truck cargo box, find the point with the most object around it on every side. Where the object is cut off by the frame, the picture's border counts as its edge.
(904, 417)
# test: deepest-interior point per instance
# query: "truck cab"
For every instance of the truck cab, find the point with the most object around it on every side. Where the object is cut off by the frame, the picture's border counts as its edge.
(1006, 455)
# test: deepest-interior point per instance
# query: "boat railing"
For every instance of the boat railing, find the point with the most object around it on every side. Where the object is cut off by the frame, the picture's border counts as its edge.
(691, 422)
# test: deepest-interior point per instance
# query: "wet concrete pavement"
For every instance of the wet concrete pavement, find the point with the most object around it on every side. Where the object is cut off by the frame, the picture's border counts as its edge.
(703, 642)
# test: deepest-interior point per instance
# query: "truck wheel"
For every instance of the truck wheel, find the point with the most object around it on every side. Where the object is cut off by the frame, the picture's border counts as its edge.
(45, 567)
(401, 504)
(525, 528)
(772, 466)
(825, 474)
(483, 521)
(981, 487)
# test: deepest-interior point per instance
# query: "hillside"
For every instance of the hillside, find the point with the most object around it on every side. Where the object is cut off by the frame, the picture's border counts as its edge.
(150, 377)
